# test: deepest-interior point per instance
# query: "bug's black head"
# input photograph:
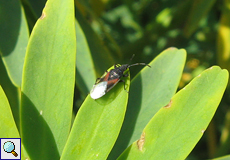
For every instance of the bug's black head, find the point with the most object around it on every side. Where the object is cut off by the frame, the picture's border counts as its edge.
(124, 67)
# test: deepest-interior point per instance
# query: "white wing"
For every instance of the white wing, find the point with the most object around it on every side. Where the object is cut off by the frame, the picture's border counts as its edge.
(98, 90)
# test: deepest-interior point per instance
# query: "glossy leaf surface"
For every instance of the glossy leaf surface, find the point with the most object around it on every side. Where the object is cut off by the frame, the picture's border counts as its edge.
(183, 121)
(48, 81)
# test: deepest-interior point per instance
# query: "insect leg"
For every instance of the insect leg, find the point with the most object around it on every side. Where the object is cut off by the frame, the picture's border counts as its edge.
(124, 85)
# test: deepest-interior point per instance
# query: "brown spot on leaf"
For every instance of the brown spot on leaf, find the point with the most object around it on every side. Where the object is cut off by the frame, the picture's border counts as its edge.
(141, 142)
(169, 104)
(43, 15)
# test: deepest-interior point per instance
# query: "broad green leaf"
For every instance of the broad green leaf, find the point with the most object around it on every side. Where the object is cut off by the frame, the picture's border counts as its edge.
(97, 125)
(11, 92)
(223, 38)
(198, 10)
(48, 81)
(150, 90)
(7, 125)
(14, 38)
(85, 73)
(176, 128)
(101, 56)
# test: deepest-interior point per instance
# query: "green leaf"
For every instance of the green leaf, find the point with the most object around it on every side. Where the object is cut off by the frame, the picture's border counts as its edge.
(7, 125)
(14, 38)
(150, 90)
(48, 81)
(97, 125)
(198, 10)
(101, 56)
(183, 121)
(11, 92)
(85, 72)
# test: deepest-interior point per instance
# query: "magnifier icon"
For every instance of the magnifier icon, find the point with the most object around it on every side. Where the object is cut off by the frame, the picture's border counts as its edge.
(9, 147)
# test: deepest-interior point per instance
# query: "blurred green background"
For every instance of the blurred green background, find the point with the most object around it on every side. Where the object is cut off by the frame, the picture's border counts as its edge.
(145, 28)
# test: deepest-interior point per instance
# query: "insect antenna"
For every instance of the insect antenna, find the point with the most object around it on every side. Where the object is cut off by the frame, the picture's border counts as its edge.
(136, 64)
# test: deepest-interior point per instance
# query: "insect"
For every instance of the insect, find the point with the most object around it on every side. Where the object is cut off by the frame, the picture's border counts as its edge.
(110, 79)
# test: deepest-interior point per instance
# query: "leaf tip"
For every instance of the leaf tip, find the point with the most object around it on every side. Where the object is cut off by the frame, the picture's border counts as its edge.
(141, 141)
